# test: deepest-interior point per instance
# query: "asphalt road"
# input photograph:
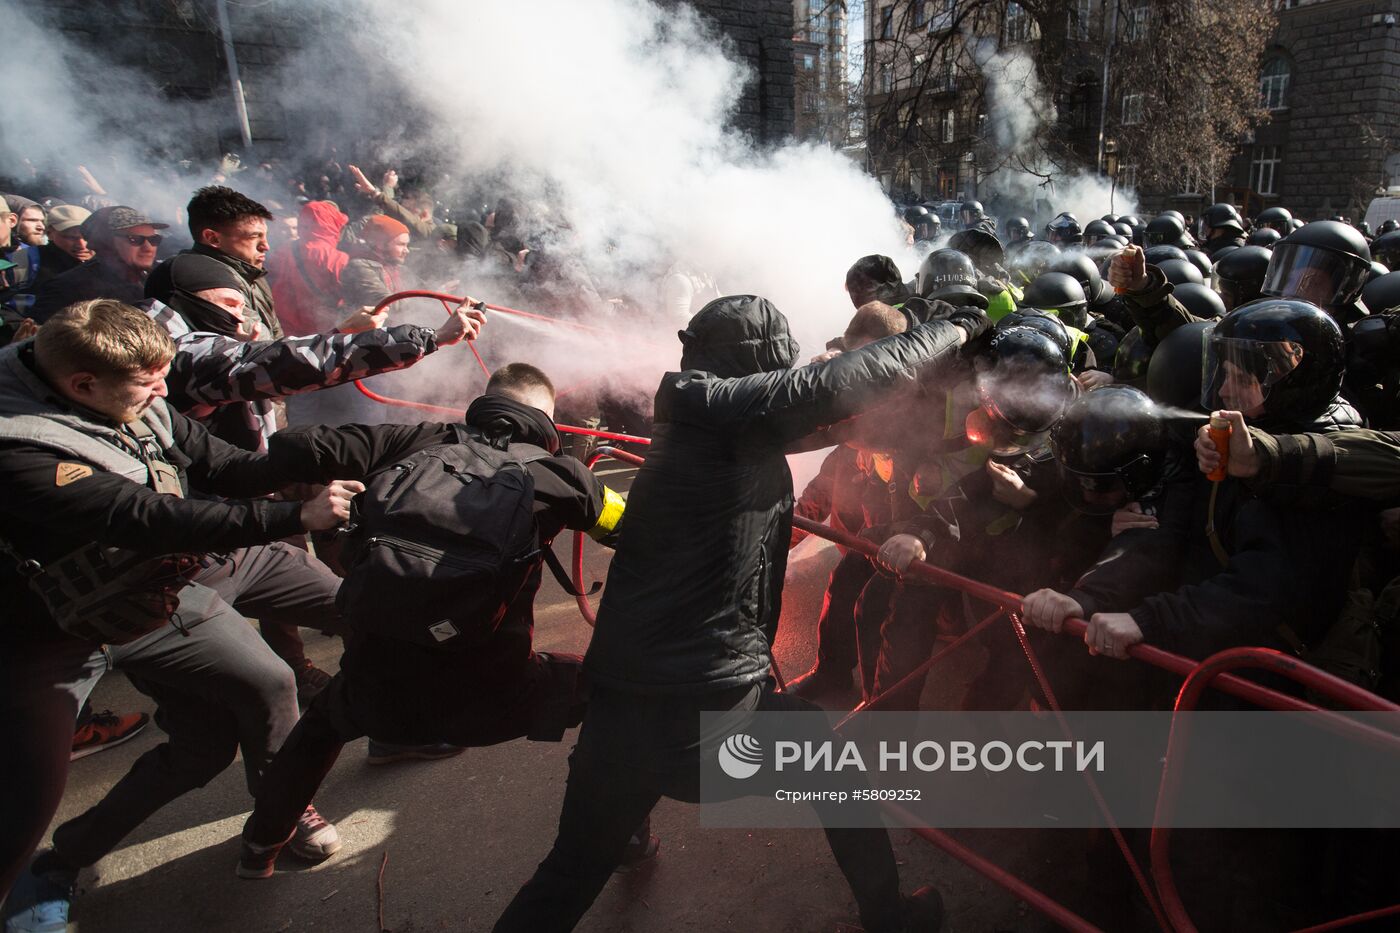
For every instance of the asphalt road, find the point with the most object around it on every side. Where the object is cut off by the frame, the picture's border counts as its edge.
(462, 835)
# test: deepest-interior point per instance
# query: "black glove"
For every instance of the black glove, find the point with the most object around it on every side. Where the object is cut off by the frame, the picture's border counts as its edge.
(972, 320)
(991, 287)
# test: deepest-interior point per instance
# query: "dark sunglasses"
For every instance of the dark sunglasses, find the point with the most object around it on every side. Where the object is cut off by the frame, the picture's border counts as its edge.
(152, 240)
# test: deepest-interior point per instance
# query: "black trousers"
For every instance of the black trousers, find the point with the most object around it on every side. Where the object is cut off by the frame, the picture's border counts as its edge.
(544, 701)
(632, 751)
(836, 628)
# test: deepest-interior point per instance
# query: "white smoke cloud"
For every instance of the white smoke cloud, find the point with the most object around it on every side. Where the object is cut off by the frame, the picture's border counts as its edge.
(1019, 112)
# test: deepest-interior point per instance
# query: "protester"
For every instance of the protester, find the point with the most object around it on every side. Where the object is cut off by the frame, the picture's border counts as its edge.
(93, 459)
(125, 241)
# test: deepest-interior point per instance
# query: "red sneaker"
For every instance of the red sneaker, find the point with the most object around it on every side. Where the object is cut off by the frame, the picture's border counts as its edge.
(105, 730)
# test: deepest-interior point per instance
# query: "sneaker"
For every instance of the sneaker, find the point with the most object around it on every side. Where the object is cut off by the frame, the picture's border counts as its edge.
(256, 862)
(40, 903)
(639, 851)
(923, 911)
(383, 753)
(106, 730)
(315, 837)
(311, 680)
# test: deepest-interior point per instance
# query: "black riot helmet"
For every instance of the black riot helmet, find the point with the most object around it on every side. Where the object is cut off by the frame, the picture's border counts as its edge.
(1222, 252)
(1109, 218)
(1275, 359)
(1123, 230)
(970, 213)
(1180, 271)
(948, 275)
(1378, 269)
(1263, 236)
(1164, 230)
(1239, 276)
(1059, 294)
(1064, 229)
(1047, 324)
(1365, 230)
(1388, 226)
(1023, 385)
(925, 223)
(1018, 229)
(1130, 362)
(1086, 273)
(981, 247)
(1386, 248)
(1201, 261)
(1177, 214)
(1032, 259)
(1200, 300)
(1326, 263)
(1174, 372)
(1221, 217)
(1111, 447)
(1156, 255)
(1275, 218)
(1382, 294)
(1373, 366)
(1096, 230)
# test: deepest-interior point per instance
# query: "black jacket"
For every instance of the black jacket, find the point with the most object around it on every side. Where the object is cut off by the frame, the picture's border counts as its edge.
(567, 495)
(695, 589)
(55, 502)
(98, 278)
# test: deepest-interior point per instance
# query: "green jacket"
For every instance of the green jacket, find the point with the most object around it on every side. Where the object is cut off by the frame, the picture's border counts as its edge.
(1360, 463)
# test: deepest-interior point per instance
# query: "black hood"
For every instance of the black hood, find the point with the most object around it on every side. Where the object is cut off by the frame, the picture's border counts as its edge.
(503, 420)
(175, 281)
(738, 335)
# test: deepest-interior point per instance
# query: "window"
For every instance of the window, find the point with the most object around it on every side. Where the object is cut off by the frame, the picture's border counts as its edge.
(1263, 169)
(1077, 26)
(943, 80)
(1135, 22)
(1273, 84)
(949, 126)
(1285, 4)
(886, 78)
(809, 102)
(920, 13)
(887, 23)
(1132, 109)
(809, 62)
(1018, 23)
(1127, 176)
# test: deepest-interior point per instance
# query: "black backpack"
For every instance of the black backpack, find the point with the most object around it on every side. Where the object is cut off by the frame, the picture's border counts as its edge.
(441, 543)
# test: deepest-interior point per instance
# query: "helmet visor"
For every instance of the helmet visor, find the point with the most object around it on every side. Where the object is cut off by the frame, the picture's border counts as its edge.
(1239, 374)
(1325, 277)
(986, 429)
(1232, 292)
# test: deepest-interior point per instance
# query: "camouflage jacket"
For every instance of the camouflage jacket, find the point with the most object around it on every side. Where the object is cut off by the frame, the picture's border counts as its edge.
(230, 385)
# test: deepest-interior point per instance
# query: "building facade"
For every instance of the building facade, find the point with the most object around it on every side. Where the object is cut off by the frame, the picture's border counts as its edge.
(1329, 79)
(819, 53)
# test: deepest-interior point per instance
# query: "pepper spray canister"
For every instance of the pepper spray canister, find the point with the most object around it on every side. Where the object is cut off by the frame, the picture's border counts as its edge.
(1219, 433)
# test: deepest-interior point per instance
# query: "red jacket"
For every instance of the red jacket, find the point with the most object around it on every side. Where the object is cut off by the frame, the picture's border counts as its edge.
(305, 274)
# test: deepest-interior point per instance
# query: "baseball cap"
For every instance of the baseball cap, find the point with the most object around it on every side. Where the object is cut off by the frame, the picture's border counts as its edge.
(123, 218)
(65, 217)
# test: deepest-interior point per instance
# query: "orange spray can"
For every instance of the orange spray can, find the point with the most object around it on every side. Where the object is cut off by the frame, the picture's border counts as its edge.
(1219, 432)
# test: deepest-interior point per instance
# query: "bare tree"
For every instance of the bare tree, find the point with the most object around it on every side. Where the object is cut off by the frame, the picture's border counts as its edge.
(1167, 86)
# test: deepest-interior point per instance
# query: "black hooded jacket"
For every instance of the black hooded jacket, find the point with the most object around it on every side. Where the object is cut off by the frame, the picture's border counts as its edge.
(695, 589)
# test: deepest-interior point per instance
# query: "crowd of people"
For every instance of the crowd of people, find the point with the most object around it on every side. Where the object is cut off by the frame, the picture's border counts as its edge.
(1031, 410)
